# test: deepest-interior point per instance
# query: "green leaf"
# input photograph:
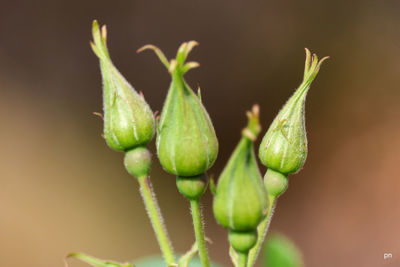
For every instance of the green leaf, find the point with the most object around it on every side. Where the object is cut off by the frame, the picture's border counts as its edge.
(184, 261)
(158, 261)
(279, 251)
(95, 261)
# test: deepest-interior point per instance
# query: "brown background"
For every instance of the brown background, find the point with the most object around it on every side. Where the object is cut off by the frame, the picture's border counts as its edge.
(62, 189)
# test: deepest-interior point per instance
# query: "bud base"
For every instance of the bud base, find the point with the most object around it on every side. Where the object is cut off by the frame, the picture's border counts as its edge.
(192, 187)
(242, 242)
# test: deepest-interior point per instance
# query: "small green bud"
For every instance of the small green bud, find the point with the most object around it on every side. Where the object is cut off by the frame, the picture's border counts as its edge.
(242, 241)
(137, 161)
(128, 119)
(241, 199)
(284, 146)
(192, 187)
(275, 182)
(186, 141)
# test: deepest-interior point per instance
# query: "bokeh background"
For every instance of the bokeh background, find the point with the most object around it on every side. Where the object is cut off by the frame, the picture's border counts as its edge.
(62, 189)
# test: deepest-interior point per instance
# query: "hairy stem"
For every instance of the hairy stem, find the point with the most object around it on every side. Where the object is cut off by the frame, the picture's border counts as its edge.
(156, 219)
(262, 230)
(243, 258)
(199, 232)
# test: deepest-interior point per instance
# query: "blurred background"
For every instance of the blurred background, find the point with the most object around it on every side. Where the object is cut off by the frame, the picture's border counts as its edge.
(62, 189)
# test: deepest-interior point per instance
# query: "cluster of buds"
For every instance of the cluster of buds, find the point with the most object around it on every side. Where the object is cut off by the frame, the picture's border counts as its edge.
(241, 200)
(187, 145)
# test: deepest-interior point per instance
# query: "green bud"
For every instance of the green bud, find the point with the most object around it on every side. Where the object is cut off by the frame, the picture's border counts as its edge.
(275, 182)
(128, 119)
(137, 161)
(284, 146)
(241, 199)
(242, 241)
(186, 140)
(192, 187)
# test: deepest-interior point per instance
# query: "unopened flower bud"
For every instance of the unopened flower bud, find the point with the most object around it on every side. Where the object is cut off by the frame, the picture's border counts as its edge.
(186, 141)
(128, 119)
(241, 199)
(284, 146)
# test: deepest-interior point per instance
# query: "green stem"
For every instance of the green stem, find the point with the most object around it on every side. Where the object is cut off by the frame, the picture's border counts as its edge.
(156, 219)
(199, 232)
(262, 230)
(243, 258)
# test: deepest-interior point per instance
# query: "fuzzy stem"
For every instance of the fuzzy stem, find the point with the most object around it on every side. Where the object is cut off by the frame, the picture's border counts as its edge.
(156, 219)
(243, 258)
(262, 230)
(199, 232)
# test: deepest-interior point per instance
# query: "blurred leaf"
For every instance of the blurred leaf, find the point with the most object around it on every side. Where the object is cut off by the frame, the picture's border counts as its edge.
(184, 261)
(279, 251)
(212, 186)
(95, 261)
(158, 261)
(234, 256)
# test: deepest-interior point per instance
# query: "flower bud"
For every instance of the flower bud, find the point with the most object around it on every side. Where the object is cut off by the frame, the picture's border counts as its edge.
(284, 146)
(186, 141)
(241, 199)
(128, 119)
